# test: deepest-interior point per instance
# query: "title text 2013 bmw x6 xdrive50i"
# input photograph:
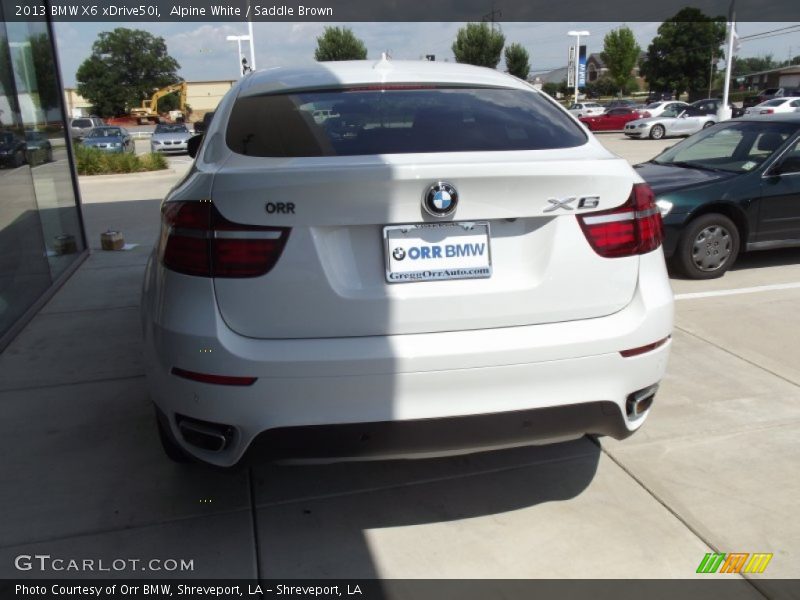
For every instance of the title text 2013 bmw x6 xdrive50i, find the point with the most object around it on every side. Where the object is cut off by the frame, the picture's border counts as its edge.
(449, 262)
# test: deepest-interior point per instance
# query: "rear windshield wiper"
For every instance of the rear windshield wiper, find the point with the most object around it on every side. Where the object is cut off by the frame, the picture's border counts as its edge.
(690, 165)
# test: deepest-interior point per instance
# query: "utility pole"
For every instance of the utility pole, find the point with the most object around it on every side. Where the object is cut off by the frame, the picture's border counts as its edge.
(490, 16)
(252, 43)
(711, 74)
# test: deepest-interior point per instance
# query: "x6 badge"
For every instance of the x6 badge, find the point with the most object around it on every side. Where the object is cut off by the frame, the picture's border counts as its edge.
(585, 202)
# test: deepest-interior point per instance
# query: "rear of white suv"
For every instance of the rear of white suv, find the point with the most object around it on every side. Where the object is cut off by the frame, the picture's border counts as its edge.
(449, 263)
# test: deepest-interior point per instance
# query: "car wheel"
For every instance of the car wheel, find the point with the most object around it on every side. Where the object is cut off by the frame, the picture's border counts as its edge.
(708, 124)
(708, 247)
(171, 448)
(49, 157)
(657, 132)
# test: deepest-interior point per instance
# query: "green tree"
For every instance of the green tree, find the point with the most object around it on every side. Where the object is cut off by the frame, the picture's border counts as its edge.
(605, 86)
(517, 61)
(550, 88)
(339, 43)
(478, 44)
(791, 62)
(125, 67)
(620, 54)
(678, 58)
(754, 64)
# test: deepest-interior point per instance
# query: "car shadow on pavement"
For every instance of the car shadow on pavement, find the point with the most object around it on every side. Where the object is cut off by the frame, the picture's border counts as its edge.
(767, 258)
(345, 519)
(84, 474)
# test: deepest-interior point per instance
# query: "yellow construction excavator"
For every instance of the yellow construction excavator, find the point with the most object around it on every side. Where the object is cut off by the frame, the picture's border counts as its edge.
(148, 112)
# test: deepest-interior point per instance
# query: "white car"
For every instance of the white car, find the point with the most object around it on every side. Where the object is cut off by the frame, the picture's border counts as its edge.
(584, 109)
(671, 123)
(452, 264)
(655, 109)
(774, 106)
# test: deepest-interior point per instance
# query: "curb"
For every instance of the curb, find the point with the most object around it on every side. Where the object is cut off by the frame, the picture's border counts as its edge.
(135, 176)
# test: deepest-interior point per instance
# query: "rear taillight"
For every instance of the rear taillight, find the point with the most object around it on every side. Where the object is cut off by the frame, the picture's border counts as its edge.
(633, 228)
(767, 111)
(197, 240)
(646, 115)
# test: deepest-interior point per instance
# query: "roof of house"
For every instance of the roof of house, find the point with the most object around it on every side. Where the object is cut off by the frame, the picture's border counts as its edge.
(554, 76)
(789, 69)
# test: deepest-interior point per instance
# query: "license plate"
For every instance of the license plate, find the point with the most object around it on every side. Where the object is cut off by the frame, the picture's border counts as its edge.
(437, 251)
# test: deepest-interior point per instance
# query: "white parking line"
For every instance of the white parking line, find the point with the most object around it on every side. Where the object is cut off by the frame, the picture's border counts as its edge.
(734, 292)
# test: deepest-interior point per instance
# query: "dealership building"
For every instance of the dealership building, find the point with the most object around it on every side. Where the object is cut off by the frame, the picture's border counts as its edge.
(42, 238)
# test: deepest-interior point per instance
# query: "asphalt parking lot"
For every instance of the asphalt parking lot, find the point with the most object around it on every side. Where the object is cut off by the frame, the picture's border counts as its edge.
(713, 470)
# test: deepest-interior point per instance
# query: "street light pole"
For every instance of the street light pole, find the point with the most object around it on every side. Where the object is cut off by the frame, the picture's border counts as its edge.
(252, 46)
(239, 39)
(577, 35)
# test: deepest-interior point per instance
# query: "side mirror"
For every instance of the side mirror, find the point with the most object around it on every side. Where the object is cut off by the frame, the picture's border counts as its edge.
(193, 144)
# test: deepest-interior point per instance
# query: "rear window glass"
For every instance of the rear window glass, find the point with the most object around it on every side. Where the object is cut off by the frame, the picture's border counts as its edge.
(83, 123)
(398, 121)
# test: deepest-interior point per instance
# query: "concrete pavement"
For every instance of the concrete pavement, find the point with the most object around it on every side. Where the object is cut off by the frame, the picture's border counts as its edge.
(714, 469)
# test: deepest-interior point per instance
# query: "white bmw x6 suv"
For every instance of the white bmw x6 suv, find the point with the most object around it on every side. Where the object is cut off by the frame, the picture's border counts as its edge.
(449, 263)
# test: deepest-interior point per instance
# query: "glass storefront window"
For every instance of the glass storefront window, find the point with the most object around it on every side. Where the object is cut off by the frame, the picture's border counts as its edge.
(40, 227)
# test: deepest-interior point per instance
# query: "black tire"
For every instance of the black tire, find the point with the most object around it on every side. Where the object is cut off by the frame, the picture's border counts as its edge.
(708, 247)
(657, 132)
(49, 155)
(171, 448)
(709, 124)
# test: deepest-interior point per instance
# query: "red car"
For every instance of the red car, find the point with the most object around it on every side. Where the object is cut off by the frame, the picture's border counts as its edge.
(613, 120)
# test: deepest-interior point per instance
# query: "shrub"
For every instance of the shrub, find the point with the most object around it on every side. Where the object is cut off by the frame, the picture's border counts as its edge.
(92, 161)
(153, 161)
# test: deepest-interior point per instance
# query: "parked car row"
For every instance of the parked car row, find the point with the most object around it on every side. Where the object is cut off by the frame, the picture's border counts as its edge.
(34, 149)
(167, 138)
(650, 109)
(769, 94)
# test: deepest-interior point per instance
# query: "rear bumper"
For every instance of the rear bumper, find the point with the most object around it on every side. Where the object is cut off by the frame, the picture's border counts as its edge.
(387, 387)
(425, 437)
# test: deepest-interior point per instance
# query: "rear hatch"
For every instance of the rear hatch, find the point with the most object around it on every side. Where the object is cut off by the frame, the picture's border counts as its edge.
(351, 192)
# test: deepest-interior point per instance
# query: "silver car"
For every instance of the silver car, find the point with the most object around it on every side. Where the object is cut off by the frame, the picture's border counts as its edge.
(80, 126)
(170, 138)
(671, 123)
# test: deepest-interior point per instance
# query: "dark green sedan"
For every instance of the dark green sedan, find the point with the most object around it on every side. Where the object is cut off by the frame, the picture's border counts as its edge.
(731, 188)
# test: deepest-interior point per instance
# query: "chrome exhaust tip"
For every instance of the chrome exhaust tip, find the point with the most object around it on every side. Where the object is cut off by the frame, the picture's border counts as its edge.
(640, 401)
(212, 437)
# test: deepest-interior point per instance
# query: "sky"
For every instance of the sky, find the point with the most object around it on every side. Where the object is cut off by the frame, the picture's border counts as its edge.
(204, 54)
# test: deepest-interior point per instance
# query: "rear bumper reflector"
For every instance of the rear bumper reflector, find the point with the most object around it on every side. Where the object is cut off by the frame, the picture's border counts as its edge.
(215, 379)
(644, 349)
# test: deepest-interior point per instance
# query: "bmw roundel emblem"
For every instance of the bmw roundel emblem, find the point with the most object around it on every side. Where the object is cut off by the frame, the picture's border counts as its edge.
(399, 253)
(440, 200)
